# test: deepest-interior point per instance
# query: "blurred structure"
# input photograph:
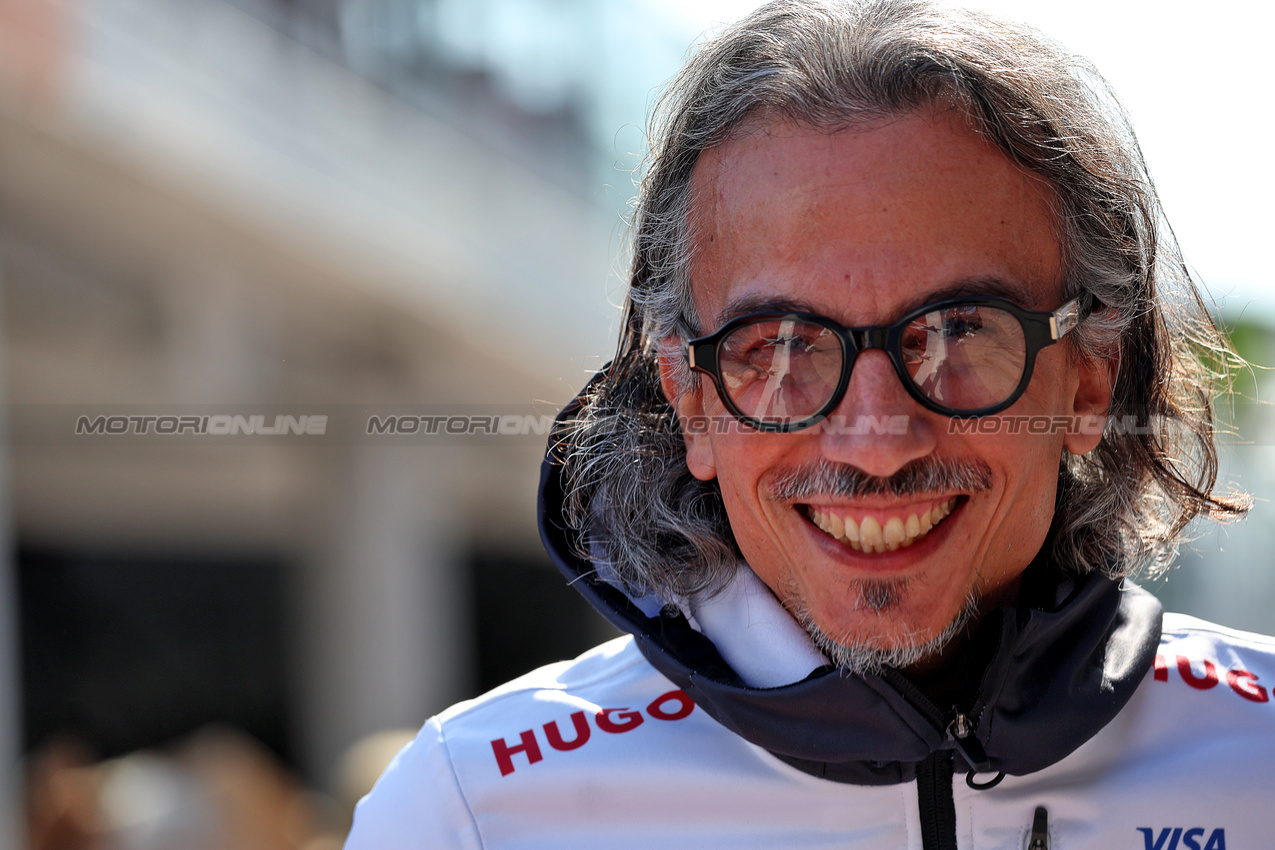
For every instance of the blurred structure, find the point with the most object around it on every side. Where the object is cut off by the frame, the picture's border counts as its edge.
(216, 790)
(344, 209)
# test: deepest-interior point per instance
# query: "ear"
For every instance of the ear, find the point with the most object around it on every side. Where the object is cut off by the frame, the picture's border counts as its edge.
(689, 407)
(1092, 401)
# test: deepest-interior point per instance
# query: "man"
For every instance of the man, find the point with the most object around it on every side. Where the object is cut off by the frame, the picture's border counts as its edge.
(848, 483)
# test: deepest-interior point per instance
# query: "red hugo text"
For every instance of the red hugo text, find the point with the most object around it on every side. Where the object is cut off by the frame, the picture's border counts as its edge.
(1240, 680)
(674, 705)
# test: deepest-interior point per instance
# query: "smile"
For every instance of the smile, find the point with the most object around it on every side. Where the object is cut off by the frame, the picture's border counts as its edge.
(872, 535)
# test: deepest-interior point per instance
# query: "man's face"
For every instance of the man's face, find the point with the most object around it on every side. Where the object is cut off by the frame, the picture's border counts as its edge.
(863, 225)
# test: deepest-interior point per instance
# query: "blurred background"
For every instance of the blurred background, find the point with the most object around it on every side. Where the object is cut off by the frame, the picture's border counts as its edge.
(385, 210)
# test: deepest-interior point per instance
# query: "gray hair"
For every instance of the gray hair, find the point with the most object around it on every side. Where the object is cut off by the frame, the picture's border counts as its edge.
(1122, 507)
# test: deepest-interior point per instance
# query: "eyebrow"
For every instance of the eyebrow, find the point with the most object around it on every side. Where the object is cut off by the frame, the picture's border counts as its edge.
(981, 286)
(762, 304)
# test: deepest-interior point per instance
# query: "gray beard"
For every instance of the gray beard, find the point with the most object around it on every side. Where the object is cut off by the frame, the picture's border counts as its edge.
(861, 656)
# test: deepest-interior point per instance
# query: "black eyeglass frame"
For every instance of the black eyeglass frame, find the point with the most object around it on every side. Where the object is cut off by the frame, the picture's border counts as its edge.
(1040, 330)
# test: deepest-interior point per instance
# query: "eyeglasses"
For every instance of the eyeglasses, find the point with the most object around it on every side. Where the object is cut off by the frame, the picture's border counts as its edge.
(962, 358)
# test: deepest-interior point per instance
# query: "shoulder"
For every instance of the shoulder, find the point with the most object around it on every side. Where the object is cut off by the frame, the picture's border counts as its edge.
(1204, 710)
(1185, 627)
(540, 740)
(416, 803)
(612, 666)
(1203, 656)
(565, 721)
(1189, 755)
(604, 751)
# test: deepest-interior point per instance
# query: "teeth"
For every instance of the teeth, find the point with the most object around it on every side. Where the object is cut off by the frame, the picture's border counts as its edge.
(893, 533)
(871, 536)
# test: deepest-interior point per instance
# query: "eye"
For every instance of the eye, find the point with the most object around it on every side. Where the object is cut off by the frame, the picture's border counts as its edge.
(792, 344)
(960, 322)
(764, 341)
(763, 355)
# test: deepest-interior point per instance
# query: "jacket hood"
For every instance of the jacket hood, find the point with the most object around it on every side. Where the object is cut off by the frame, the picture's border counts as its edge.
(1059, 669)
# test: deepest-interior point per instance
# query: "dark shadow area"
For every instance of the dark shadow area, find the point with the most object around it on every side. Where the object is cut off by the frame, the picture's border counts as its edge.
(124, 651)
(526, 616)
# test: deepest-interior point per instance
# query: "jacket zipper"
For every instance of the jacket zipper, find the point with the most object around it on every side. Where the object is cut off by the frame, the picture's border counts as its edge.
(958, 726)
(937, 806)
(934, 775)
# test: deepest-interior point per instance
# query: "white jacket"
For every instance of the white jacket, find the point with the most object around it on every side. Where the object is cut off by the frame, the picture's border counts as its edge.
(605, 752)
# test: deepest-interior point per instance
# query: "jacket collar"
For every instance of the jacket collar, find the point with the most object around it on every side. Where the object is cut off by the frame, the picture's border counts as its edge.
(1059, 671)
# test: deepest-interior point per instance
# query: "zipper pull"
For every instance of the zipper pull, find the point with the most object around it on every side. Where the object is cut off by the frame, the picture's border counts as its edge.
(961, 732)
(1039, 839)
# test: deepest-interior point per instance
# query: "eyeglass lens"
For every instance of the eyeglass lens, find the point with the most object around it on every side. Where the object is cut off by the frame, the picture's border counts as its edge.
(786, 369)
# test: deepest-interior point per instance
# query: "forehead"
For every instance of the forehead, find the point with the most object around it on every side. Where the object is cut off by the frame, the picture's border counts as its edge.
(864, 223)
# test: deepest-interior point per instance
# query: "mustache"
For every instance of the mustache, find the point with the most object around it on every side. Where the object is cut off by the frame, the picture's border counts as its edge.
(919, 477)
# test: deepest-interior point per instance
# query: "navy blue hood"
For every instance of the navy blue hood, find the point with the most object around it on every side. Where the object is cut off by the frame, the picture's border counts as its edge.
(1055, 672)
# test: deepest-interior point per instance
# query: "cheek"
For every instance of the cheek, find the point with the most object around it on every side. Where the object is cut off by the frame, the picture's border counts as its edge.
(743, 463)
(1033, 508)
(747, 521)
(738, 479)
(1028, 468)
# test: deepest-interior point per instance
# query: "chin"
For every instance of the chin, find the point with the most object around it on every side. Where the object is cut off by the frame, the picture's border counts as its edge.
(882, 635)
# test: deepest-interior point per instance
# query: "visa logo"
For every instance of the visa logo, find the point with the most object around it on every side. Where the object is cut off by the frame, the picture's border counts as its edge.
(1169, 836)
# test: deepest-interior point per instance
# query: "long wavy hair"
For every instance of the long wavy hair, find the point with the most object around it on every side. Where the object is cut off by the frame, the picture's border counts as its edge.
(1122, 507)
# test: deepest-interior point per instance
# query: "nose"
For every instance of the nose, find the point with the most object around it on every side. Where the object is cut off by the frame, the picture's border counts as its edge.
(877, 427)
